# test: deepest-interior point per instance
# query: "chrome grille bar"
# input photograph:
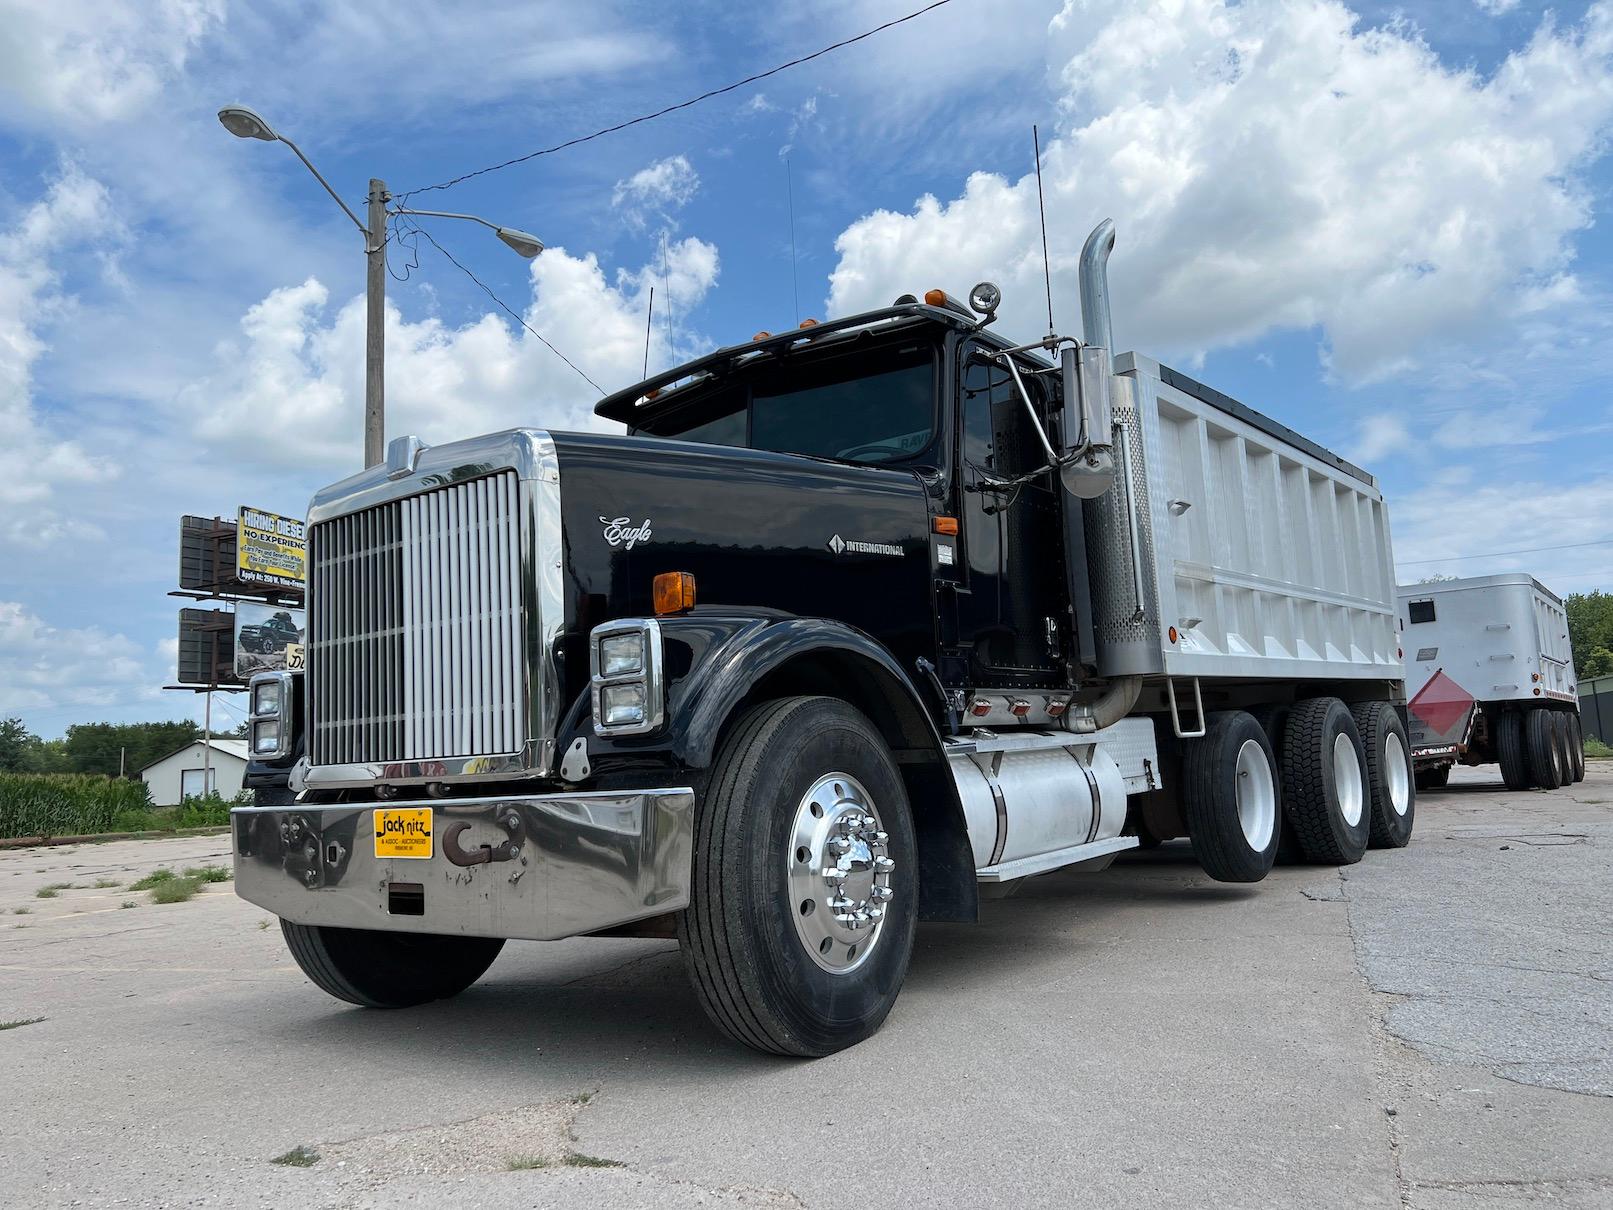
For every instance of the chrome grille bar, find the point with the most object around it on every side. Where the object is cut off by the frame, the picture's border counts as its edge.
(415, 628)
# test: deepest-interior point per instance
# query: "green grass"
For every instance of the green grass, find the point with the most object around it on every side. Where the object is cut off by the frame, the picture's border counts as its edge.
(209, 873)
(22, 911)
(175, 890)
(525, 1163)
(155, 878)
(297, 1157)
(52, 890)
(1595, 747)
(128, 903)
(582, 1098)
(20, 1023)
(104, 883)
(577, 1159)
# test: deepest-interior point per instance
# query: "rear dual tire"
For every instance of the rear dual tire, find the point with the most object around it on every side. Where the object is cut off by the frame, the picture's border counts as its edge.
(1391, 791)
(1576, 746)
(1325, 782)
(1512, 751)
(1547, 753)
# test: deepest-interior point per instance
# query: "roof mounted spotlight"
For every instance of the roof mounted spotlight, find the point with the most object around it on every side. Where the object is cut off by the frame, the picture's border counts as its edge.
(984, 300)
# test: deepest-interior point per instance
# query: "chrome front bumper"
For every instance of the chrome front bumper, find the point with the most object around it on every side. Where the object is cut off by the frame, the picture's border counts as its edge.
(539, 867)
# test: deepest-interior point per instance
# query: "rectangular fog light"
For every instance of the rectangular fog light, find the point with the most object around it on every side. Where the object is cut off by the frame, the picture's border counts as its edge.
(266, 736)
(622, 705)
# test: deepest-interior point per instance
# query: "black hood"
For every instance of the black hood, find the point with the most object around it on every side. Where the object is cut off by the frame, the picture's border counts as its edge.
(755, 529)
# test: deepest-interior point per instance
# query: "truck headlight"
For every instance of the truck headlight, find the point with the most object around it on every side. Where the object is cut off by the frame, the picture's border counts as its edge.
(269, 727)
(266, 698)
(620, 654)
(628, 695)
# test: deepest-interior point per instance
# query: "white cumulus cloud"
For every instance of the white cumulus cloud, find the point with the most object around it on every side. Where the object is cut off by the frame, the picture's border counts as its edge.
(36, 461)
(42, 666)
(656, 189)
(1277, 165)
(290, 390)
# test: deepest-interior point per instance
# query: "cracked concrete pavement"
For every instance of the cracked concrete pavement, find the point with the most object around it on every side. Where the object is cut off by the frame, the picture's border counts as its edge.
(1429, 1028)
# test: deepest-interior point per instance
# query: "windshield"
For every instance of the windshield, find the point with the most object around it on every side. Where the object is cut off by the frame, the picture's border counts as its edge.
(871, 406)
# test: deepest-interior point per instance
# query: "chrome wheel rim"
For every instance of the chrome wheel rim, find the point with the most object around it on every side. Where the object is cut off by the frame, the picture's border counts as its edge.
(1257, 796)
(838, 872)
(1394, 757)
(1347, 779)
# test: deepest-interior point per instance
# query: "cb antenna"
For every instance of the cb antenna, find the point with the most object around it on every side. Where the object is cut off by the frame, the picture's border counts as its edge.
(1041, 206)
(649, 317)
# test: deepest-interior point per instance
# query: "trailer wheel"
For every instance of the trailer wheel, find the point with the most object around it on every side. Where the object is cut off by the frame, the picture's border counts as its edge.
(1565, 744)
(1230, 798)
(388, 970)
(1436, 778)
(1576, 747)
(805, 897)
(1510, 750)
(1325, 782)
(1392, 796)
(1545, 754)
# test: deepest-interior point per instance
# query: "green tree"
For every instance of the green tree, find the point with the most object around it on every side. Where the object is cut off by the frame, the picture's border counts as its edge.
(96, 747)
(1598, 663)
(15, 740)
(1590, 626)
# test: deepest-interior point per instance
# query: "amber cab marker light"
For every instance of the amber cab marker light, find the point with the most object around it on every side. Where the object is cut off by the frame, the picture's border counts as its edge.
(1173, 634)
(945, 525)
(936, 298)
(807, 323)
(674, 592)
(760, 336)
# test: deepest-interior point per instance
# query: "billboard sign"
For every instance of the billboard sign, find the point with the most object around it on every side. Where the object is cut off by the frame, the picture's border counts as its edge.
(265, 635)
(206, 647)
(270, 549)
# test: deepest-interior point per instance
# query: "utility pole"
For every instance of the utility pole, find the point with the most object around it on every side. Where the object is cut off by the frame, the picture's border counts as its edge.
(207, 746)
(375, 329)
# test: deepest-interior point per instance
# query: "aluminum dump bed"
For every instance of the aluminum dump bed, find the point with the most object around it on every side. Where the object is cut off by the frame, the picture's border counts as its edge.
(1500, 638)
(1270, 556)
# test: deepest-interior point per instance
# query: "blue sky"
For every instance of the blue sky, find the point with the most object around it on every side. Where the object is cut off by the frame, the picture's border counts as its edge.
(1385, 226)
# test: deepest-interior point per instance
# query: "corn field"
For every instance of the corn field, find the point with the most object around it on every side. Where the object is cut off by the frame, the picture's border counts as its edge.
(65, 804)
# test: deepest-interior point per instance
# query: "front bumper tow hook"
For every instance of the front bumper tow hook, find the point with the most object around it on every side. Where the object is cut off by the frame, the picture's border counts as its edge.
(479, 856)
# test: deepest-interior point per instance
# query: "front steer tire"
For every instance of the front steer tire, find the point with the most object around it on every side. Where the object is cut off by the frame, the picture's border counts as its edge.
(747, 958)
(1230, 798)
(388, 970)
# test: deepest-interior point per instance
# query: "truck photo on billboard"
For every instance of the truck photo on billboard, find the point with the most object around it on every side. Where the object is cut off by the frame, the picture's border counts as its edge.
(266, 637)
(270, 549)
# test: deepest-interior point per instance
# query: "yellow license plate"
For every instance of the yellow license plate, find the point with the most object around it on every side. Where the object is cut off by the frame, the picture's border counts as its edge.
(403, 831)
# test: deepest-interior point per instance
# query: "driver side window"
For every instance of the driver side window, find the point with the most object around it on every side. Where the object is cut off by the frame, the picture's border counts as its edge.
(997, 436)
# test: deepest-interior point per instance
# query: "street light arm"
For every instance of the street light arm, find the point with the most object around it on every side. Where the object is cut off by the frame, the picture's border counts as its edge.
(469, 218)
(345, 208)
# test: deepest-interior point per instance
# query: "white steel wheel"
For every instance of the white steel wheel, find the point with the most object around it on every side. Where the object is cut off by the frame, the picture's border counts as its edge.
(1257, 795)
(1397, 780)
(839, 869)
(1347, 777)
(1230, 798)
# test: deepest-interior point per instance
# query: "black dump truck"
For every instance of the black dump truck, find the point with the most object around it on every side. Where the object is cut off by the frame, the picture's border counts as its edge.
(853, 625)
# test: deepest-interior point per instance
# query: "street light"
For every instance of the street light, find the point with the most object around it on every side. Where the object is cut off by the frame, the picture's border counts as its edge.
(244, 123)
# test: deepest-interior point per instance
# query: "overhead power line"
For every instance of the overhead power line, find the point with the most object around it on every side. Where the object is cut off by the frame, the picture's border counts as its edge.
(509, 310)
(1496, 554)
(692, 101)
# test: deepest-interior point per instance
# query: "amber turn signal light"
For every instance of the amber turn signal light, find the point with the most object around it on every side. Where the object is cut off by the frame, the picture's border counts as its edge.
(674, 592)
(945, 525)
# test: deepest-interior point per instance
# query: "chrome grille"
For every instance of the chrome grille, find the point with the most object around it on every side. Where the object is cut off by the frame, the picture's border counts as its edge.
(414, 628)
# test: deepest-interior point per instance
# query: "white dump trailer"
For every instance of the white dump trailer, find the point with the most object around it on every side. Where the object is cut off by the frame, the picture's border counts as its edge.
(1490, 675)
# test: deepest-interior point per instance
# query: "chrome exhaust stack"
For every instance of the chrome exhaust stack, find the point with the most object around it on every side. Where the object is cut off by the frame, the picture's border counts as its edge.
(1117, 524)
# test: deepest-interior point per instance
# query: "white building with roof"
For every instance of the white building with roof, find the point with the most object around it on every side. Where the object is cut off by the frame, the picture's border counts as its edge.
(180, 775)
